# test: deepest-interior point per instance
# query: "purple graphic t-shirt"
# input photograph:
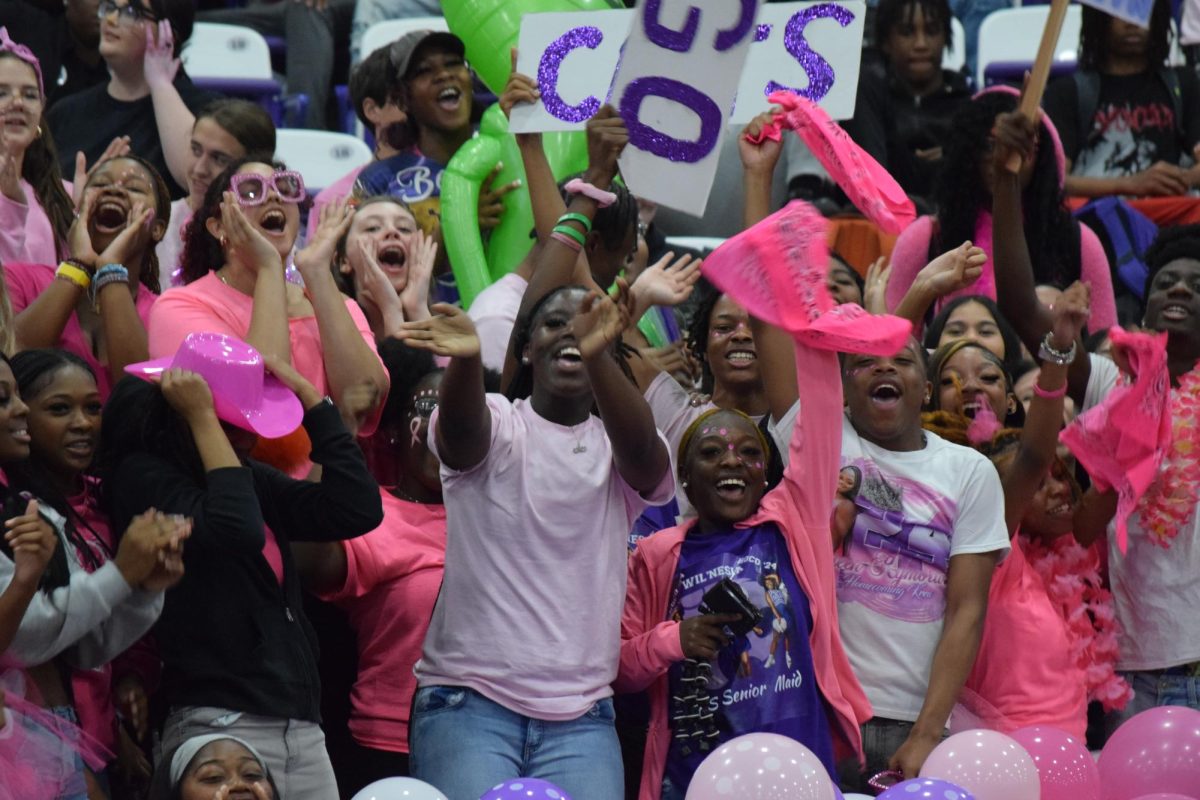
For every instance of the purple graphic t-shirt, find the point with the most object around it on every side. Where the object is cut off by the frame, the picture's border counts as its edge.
(763, 681)
(898, 519)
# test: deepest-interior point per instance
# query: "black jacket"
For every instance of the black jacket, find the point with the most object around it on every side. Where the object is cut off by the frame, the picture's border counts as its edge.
(230, 636)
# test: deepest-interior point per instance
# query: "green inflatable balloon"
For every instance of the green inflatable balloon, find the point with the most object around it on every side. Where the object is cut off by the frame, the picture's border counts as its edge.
(489, 29)
(460, 214)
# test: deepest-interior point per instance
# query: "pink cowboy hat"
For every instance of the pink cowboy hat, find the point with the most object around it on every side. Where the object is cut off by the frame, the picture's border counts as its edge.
(244, 393)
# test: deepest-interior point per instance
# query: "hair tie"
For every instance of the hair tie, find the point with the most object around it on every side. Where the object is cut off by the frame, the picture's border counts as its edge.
(603, 199)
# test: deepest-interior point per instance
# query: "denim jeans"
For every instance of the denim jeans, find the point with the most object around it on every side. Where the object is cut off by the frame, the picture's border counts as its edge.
(464, 744)
(881, 739)
(1155, 688)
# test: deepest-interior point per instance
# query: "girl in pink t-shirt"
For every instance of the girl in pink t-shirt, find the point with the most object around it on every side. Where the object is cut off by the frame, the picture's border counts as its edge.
(35, 209)
(233, 268)
(95, 304)
(387, 581)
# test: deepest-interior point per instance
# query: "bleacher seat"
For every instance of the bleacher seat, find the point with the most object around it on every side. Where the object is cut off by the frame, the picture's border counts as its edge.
(322, 157)
(1012, 35)
(236, 61)
(384, 33)
(955, 56)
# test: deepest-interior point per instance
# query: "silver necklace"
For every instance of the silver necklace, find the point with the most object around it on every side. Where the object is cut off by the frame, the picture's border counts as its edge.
(580, 447)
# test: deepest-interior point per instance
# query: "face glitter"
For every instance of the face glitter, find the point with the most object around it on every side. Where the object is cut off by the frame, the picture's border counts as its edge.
(586, 36)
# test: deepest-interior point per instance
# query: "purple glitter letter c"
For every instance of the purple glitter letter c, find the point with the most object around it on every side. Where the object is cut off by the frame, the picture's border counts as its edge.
(661, 35)
(820, 74)
(646, 138)
(587, 36)
(728, 38)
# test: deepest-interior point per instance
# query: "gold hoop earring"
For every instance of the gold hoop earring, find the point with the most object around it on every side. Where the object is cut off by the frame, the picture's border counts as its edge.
(38, 135)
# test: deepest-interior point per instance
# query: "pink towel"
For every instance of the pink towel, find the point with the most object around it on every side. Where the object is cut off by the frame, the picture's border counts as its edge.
(869, 186)
(1122, 441)
(786, 256)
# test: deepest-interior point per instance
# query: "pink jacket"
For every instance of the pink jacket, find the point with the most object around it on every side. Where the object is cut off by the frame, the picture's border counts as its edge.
(911, 254)
(800, 506)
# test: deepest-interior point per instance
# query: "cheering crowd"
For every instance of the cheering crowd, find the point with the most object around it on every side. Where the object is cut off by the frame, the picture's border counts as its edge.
(283, 518)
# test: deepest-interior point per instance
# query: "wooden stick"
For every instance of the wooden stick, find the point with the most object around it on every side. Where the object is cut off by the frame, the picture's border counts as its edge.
(1031, 98)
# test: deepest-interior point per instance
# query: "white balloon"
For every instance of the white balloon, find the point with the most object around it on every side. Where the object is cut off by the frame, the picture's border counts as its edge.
(399, 789)
(853, 796)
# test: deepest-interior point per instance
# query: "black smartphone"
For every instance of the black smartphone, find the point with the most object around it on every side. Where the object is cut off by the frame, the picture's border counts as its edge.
(729, 598)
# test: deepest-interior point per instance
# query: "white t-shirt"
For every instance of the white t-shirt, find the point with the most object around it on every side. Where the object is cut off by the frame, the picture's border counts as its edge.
(529, 613)
(1101, 380)
(170, 249)
(673, 413)
(912, 513)
(494, 312)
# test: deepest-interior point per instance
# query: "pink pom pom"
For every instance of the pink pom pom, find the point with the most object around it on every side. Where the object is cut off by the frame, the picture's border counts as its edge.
(984, 426)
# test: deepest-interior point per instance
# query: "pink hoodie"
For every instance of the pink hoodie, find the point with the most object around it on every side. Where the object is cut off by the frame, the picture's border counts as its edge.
(800, 507)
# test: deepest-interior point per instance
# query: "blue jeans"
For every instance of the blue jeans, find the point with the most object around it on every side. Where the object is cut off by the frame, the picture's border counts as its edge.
(1152, 689)
(464, 744)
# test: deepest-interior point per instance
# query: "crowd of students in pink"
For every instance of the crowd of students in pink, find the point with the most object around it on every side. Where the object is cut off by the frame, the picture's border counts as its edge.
(282, 518)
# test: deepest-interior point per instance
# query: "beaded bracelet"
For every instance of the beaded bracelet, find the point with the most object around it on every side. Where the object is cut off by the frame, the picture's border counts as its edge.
(73, 274)
(110, 273)
(580, 218)
(567, 240)
(567, 230)
(1050, 394)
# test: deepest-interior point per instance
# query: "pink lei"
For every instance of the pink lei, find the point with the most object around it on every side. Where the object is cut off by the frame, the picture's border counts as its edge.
(1071, 575)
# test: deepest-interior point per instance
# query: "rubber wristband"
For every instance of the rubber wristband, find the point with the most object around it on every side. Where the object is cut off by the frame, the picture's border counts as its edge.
(73, 274)
(603, 199)
(567, 240)
(567, 230)
(580, 218)
(1049, 394)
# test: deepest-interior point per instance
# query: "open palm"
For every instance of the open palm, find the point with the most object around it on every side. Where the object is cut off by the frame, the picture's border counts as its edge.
(450, 333)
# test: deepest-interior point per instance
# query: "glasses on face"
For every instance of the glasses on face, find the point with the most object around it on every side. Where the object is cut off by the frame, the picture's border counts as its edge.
(128, 13)
(251, 189)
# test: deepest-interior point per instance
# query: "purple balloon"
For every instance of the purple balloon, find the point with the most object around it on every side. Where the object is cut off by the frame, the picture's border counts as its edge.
(1066, 770)
(1157, 751)
(525, 789)
(926, 789)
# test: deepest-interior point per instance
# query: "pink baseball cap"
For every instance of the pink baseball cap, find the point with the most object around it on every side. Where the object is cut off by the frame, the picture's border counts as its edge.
(244, 393)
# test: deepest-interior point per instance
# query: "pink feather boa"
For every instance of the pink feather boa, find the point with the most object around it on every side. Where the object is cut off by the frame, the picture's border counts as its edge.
(1071, 574)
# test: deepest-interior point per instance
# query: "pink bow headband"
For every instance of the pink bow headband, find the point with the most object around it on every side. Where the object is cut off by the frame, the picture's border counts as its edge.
(7, 45)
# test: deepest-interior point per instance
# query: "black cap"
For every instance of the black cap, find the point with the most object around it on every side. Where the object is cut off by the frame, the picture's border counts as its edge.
(403, 49)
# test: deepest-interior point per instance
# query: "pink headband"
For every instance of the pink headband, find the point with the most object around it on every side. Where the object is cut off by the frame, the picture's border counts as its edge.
(1060, 157)
(7, 45)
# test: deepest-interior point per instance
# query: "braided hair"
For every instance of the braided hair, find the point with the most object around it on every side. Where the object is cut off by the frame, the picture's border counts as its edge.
(1093, 37)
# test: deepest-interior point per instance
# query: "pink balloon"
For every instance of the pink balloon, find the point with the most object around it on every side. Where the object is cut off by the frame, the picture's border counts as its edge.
(1066, 770)
(1156, 751)
(1165, 796)
(988, 764)
(761, 766)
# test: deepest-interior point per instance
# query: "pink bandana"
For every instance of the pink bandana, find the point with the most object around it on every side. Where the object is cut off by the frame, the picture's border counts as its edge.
(777, 270)
(869, 186)
(7, 45)
(1122, 441)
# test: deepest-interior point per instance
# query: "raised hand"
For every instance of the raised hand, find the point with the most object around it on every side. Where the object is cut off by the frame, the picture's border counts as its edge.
(32, 541)
(151, 541)
(332, 225)
(187, 393)
(245, 242)
(375, 292)
(703, 637)
(491, 207)
(606, 138)
(79, 240)
(10, 175)
(953, 270)
(667, 282)
(1013, 133)
(759, 156)
(451, 333)
(422, 255)
(116, 148)
(289, 377)
(519, 89)
(160, 64)
(875, 286)
(132, 702)
(601, 320)
(1071, 313)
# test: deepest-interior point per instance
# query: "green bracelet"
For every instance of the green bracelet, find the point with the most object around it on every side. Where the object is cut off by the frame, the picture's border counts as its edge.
(580, 218)
(567, 230)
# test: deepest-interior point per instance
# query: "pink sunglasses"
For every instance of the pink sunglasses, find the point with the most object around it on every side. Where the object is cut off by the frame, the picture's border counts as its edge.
(251, 188)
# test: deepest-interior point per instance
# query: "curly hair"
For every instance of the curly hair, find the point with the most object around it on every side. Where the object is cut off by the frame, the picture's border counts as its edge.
(202, 251)
(960, 195)
(705, 297)
(1171, 244)
(1093, 37)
